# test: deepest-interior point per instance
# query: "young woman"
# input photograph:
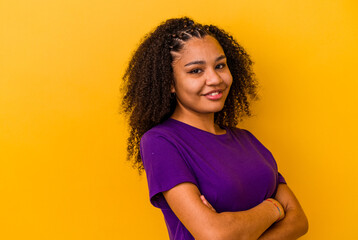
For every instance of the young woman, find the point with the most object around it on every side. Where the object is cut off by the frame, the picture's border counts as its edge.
(186, 88)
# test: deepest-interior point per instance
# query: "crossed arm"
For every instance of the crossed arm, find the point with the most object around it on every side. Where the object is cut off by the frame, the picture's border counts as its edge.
(295, 223)
(256, 223)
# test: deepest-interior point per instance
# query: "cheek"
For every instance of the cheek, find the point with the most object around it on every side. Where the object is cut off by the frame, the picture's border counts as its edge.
(189, 87)
(186, 85)
(230, 81)
(227, 77)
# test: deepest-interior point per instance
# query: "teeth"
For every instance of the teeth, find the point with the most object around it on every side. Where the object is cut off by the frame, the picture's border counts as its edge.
(213, 94)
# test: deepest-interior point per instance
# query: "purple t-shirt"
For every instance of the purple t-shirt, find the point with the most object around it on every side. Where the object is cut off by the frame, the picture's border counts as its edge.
(234, 171)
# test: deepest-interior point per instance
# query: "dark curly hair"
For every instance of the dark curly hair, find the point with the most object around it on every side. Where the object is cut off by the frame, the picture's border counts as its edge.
(147, 81)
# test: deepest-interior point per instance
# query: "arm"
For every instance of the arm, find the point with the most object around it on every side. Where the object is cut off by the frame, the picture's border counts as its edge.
(295, 223)
(204, 223)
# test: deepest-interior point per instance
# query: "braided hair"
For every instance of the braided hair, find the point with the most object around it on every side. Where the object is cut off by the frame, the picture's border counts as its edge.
(147, 81)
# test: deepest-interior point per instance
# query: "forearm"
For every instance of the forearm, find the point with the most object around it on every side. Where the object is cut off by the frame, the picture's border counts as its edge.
(248, 224)
(293, 226)
(205, 223)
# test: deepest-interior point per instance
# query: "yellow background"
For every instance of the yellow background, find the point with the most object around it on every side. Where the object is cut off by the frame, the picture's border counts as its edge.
(63, 173)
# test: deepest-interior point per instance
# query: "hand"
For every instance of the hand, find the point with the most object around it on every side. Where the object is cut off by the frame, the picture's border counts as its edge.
(279, 206)
(207, 203)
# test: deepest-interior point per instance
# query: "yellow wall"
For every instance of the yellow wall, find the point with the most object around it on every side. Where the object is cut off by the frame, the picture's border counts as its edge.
(63, 173)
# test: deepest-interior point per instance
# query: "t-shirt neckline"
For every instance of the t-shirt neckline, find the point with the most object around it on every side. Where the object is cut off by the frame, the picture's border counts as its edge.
(200, 130)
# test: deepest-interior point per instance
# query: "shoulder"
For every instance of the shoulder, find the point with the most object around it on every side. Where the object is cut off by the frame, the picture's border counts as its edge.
(161, 132)
(240, 132)
(246, 135)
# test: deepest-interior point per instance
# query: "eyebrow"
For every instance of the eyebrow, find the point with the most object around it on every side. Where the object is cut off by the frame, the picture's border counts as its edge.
(203, 62)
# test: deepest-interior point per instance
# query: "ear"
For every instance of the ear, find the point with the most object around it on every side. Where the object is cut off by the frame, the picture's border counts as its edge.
(176, 57)
(172, 87)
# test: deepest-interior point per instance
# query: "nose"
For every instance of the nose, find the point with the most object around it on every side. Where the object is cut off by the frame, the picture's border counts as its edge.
(213, 78)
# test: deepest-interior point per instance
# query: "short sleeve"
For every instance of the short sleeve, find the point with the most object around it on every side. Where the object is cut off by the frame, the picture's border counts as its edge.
(165, 167)
(281, 179)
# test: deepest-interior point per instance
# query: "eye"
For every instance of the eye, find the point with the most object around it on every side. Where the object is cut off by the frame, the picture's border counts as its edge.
(220, 66)
(195, 71)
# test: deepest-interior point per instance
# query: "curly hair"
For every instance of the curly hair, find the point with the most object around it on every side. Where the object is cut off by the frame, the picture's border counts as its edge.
(147, 81)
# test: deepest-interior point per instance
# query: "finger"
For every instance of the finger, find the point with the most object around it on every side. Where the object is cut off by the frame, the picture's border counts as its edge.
(207, 203)
(204, 201)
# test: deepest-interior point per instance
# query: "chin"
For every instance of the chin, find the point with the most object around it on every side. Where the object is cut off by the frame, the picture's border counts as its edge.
(215, 109)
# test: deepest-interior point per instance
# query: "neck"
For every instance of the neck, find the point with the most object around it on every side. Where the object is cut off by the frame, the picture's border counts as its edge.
(202, 121)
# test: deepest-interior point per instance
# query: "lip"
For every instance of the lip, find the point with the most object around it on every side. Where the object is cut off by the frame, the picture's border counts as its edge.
(214, 97)
(216, 90)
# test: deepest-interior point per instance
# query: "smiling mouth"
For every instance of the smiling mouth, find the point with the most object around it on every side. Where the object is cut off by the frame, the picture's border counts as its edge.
(213, 93)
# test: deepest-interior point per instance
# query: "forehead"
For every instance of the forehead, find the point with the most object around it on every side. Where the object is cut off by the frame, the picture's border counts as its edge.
(206, 48)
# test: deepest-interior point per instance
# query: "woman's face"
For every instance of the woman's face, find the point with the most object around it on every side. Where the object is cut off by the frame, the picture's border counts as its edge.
(202, 78)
